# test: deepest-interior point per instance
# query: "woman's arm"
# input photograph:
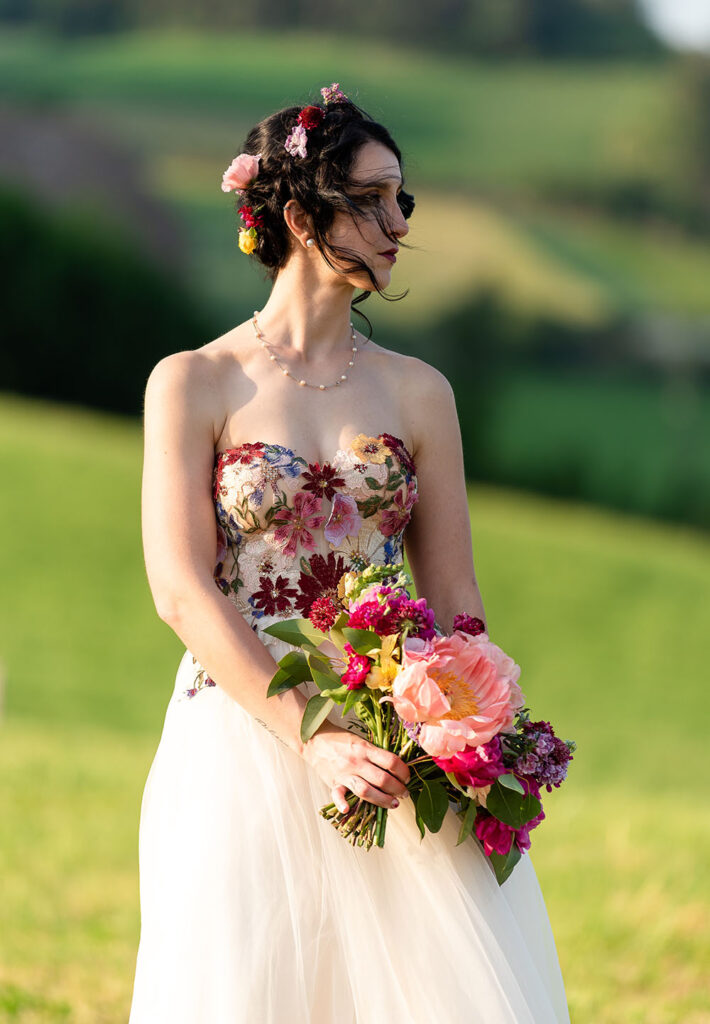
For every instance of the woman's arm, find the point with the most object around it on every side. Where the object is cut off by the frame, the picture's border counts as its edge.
(180, 543)
(437, 539)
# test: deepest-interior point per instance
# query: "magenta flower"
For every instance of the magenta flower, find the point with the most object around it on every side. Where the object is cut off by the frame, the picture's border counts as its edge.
(357, 669)
(475, 766)
(344, 520)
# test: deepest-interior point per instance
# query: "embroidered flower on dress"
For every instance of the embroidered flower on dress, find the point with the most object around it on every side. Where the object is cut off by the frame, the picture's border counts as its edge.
(321, 480)
(344, 521)
(294, 525)
(370, 449)
(394, 520)
(320, 580)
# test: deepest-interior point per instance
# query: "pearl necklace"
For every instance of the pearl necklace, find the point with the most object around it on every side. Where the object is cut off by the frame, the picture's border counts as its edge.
(304, 384)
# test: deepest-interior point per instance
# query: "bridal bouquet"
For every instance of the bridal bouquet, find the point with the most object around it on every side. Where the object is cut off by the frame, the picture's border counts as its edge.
(449, 706)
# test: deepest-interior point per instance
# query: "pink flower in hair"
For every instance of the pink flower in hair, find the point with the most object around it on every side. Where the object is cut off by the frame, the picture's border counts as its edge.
(296, 140)
(332, 93)
(241, 172)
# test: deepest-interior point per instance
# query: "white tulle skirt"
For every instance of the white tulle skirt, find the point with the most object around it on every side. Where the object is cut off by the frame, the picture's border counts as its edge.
(255, 911)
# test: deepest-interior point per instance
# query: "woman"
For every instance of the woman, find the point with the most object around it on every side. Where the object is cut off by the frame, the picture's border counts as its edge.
(317, 451)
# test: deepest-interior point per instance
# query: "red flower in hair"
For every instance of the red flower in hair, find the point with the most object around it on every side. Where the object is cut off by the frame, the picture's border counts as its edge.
(311, 117)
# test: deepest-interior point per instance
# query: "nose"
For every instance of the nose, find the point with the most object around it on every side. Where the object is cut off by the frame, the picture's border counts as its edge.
(400, 227)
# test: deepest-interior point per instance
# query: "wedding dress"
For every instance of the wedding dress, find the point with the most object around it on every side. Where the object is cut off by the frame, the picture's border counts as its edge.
(254, 910)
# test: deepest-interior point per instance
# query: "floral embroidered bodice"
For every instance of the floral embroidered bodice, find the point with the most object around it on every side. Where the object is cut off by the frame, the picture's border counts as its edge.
(288, 529)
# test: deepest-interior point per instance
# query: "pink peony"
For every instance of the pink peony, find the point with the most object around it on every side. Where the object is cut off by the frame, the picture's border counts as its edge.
(241, 172)
(462, 688)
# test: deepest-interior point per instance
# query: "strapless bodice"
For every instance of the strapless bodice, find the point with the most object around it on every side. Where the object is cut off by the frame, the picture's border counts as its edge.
(288, 529)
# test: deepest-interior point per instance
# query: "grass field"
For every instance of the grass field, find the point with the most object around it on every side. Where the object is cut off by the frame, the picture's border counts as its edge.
(604, 613)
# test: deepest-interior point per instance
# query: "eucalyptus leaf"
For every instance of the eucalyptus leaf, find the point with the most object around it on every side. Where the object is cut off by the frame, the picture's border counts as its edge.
(362, 640)
(503, 864)
(432, 804)
(297, 632)
(354, 697)
(511, 781)
(454, 781)
(510, 807)
(281, 681)
(467, 823)
(338, 694)
(323, 673)
(316, 711)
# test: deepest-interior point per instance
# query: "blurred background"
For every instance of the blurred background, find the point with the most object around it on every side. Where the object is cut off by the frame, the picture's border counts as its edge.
(559, 154)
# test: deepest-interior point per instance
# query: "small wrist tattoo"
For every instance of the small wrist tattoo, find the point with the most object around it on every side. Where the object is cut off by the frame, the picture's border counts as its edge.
(271, 731)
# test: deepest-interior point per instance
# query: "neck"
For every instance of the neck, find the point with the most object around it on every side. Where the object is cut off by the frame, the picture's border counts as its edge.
(306, 317)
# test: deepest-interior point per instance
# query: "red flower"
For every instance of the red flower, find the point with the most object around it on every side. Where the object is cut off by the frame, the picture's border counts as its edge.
(323, 613)
(469, 624)
(274, 596)
(322, 479)
(311, 117)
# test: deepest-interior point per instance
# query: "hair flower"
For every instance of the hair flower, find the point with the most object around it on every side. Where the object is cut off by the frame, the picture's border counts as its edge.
(241, 172)
(296, 140)
(311, 117)
(332, 93)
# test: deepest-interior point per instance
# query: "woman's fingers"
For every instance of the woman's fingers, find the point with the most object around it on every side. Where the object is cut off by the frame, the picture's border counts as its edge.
(390, 762)
(362, 788)
(338, 794)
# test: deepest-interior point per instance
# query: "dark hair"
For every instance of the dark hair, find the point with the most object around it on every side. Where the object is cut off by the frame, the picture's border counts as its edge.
(319, 182)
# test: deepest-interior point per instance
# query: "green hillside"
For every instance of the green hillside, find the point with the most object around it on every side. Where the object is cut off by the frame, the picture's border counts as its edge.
(604, 613)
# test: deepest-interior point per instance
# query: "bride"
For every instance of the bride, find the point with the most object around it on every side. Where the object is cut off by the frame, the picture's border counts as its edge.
(277, 457)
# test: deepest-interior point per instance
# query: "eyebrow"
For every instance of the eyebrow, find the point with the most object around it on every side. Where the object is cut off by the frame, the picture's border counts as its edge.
(377, 182)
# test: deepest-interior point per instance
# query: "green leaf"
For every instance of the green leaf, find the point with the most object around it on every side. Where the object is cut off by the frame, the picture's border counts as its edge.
(467, 823)
(511, 781)
(354, 697)
(510, 807)
(316, 712)
(432, 804)
(373, 484)
(419, 820)
(362, 640)
(324, 675)
(338, 693)
(454, 781)
(295, 631)
(293, 669)
(503, 864)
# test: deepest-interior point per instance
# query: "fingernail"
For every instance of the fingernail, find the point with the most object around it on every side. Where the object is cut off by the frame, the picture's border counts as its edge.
(395, 803)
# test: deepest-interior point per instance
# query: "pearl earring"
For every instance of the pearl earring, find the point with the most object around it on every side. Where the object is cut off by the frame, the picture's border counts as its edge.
(310, 242)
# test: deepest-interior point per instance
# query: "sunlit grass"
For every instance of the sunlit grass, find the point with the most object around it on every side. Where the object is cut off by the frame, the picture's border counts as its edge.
(603, 612)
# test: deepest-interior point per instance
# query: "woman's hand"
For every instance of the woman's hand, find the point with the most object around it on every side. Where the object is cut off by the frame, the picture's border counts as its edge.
(346, 761)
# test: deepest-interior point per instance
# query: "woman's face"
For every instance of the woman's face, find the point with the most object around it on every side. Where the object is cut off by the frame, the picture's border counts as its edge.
(374, 183)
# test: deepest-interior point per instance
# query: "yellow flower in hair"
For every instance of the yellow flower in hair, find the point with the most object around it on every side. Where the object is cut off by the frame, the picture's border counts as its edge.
(247, 240)
(370, 449)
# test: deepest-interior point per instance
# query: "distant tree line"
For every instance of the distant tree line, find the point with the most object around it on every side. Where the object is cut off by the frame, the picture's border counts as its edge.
(544, 28)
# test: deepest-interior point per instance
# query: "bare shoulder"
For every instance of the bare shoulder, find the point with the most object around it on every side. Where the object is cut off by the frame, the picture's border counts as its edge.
(183, 387)
(425, 395)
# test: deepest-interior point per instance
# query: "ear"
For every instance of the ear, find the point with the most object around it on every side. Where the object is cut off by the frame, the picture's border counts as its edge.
(298, 221)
